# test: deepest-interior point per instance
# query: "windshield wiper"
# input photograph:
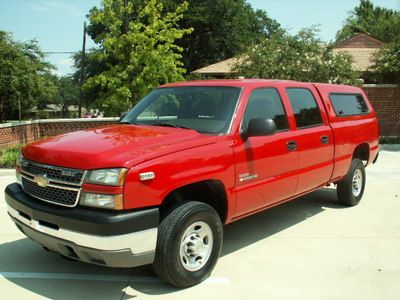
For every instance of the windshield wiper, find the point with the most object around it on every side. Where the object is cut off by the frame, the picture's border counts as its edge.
(130, 123)
(169, 125)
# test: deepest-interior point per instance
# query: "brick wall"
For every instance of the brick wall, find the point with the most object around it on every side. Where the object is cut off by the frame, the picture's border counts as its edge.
(21, 134)
(386, 102)
(52, 129)
(27, 132)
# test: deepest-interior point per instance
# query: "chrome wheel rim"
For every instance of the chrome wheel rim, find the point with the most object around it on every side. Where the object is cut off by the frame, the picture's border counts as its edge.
(196, 246)
(357, 183)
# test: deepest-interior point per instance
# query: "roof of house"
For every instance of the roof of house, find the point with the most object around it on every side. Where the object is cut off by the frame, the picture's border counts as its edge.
(54, 108)
(361, 40)
(361, 47)
(219, 68)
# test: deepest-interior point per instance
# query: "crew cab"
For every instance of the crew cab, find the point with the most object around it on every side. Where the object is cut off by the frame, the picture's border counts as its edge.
(157, 187)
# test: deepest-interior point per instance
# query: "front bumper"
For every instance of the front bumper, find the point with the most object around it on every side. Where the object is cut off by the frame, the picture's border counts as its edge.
(114, 239)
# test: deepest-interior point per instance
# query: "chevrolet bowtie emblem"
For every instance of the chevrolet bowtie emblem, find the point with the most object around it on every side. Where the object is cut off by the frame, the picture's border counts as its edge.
(41, 180)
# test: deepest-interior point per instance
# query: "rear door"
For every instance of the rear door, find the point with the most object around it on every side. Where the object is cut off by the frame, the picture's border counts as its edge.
(314, 138)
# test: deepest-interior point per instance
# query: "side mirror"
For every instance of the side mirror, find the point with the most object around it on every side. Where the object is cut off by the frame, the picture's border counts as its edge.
(260, 127)
(123, 114)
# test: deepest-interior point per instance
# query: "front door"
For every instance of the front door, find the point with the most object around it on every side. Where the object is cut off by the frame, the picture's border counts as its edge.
(265, 165)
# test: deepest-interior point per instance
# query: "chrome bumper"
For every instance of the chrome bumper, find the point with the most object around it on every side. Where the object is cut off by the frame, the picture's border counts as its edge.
(125, 250)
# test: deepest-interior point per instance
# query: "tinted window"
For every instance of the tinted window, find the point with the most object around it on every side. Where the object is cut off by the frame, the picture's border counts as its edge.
(348, 104)
(266, 103)
(205, 109)
(305, 108)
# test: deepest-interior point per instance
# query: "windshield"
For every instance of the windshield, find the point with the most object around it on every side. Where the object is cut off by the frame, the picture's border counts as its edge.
(204, 109)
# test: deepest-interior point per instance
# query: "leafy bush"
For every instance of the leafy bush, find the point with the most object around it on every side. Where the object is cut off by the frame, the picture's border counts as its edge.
(301, 57)
(9, 156)
(390, 140)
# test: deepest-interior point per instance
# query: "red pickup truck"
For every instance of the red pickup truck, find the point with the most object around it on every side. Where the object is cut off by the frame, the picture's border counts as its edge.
(190, 157)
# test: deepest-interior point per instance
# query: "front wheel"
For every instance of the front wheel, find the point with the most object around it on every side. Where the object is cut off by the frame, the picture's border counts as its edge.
(188, 245)
(351, 189)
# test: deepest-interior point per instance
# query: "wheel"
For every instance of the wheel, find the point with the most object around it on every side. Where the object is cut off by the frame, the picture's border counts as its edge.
(351, 189)
(188, 244)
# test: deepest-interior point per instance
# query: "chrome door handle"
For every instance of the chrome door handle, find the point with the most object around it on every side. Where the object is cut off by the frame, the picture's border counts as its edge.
(292, 145)
(324, 139)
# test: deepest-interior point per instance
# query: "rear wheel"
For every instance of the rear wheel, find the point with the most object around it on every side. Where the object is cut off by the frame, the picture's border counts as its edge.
(351, 189)
(188, 245)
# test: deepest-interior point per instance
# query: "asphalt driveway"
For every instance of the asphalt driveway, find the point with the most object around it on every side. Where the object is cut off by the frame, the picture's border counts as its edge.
(310, 248)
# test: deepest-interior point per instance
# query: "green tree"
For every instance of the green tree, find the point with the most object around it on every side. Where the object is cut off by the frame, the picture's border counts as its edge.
(68, 94)
(93, 67)
(222, 29)
(25, 77)
(302, 57)
(386, 67)
(379, 22)
(138, 46)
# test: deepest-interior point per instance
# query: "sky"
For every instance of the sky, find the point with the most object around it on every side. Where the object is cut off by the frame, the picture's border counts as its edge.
(58, 24)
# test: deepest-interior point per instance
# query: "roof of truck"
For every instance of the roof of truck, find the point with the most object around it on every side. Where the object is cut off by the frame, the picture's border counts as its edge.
(257, 83)
(224, 82)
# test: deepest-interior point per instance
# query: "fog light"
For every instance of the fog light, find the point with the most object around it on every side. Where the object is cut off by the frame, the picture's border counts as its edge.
(102, 201)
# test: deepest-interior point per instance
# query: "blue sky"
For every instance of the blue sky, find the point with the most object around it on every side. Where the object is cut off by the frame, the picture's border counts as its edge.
(57, 24)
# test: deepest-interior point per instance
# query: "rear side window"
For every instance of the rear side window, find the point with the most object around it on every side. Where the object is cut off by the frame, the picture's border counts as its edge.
(348, 104)
(305, 108)
(266, 103)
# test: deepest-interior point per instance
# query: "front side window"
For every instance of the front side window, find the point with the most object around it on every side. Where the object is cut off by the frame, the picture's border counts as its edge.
(204, 109)
(305, 108)
(348, 104)
(266, 103)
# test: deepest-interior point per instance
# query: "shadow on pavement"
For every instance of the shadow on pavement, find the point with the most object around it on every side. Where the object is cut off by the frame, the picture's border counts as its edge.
(25, 256)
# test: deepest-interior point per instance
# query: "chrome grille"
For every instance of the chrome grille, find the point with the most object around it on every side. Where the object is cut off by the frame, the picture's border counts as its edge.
(61, 185)
(50, 193)
(60, 174)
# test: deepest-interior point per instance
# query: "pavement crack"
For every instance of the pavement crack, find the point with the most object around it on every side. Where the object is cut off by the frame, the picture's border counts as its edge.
(126, 286)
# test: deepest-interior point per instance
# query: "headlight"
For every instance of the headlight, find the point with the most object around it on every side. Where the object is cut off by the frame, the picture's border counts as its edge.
(102, 201)
(113, 177)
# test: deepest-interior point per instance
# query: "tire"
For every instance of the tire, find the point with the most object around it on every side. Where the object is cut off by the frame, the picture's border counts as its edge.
(189, 264)
(351, 189)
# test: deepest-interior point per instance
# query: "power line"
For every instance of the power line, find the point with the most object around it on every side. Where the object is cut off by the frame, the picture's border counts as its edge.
(60, 52)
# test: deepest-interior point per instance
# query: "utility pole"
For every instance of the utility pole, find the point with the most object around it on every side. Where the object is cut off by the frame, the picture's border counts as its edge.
(19, 110)
(82, 71)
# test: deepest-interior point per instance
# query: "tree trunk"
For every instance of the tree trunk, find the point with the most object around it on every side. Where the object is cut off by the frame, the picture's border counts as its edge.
(2, 112)
(64, 111)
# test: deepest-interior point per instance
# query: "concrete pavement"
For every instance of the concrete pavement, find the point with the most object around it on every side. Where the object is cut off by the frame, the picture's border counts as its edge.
(310, 248)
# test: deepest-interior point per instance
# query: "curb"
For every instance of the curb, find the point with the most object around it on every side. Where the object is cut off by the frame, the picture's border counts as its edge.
(389, 147)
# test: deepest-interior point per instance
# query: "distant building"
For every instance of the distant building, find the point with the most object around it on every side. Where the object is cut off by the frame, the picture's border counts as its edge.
(361, 47)
(52, 111)
(220, 69)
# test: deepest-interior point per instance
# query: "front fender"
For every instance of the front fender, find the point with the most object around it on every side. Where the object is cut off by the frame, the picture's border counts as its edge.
(172, 171)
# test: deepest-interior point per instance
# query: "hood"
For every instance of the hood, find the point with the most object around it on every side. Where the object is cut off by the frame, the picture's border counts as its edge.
(118, 145)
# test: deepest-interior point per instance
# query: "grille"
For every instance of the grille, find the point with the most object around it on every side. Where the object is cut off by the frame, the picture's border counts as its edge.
(69, 176)
(50, 194)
